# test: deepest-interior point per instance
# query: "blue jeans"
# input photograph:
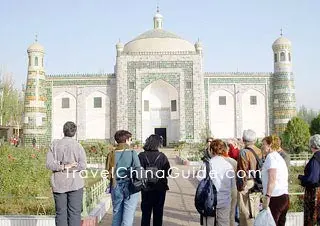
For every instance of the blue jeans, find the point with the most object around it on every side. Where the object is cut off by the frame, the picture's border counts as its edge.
(124, 205)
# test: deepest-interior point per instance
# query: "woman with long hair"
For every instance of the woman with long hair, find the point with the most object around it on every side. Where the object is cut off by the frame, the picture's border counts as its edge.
(153, 197)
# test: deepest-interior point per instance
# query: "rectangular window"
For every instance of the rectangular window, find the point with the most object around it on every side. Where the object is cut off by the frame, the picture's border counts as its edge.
(131, 85)
(146, 105)
(97, 102)
(65, 103)
(189, 85)
(174, 105)
(222, 100)
(108, 82)
(253, 100)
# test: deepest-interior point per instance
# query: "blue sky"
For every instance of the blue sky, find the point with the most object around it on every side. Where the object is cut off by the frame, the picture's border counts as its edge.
(80, 35)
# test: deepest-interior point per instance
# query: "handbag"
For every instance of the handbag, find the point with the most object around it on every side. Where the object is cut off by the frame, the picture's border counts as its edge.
(137, 177)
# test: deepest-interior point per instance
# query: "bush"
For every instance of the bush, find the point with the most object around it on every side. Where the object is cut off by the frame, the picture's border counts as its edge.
(97, 149)
(23, 179)
(296, 136)
(296, 201)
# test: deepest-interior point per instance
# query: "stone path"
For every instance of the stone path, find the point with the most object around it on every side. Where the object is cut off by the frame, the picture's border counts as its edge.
(179, 206)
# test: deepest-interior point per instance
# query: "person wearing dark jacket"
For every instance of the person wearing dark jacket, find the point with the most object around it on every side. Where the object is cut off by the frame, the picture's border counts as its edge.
(310, 180)
(206, 153)
(153, 197)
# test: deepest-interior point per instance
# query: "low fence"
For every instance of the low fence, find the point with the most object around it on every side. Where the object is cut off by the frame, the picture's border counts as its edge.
(301, 156)
(96, 160)
(92, 196)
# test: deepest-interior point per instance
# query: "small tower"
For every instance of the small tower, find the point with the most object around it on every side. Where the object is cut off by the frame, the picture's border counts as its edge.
(35, 111)
(198, 47)
(158, 20)
(119, 47)
(284, 100)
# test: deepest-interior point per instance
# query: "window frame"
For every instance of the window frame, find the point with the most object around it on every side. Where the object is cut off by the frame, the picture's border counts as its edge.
(189, 85)
(253, 100)
(173, 106)
(132, 85)
(222, 100)
(94, 102)
(146, 103)
(63, 103)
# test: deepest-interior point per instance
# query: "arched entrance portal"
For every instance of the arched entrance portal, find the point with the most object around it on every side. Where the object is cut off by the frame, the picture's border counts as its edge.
(160, 111)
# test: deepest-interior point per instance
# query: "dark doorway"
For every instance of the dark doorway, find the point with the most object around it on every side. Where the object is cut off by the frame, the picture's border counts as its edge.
(163, 133)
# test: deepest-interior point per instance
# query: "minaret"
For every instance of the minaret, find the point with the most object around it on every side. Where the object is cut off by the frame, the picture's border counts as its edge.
(198, 47)
(35, 112)
(284, 100)
(158, 20)
(119, 48)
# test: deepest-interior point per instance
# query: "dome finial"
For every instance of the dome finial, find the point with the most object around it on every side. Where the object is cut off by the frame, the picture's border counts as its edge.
(157, 19)
(281, 32)
(36, 38)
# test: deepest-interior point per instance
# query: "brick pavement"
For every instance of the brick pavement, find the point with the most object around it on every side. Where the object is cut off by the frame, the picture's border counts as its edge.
(179, 206)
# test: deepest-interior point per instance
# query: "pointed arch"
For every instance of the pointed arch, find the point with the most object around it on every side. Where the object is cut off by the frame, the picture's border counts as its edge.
(97, 121)
(61, 115)
(222, 113)
(253, 111)
(282, 56)
(162, 110)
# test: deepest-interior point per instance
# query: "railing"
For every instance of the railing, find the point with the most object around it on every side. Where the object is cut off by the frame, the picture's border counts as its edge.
(92, 196)
(301, 156)
(96, 160)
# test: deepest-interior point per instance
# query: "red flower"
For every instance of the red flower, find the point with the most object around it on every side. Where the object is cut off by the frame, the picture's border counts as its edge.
(11, 158)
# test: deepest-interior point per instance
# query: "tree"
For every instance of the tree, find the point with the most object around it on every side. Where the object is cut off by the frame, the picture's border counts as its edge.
(307, 114)
(296, 136)
(11, 102)
(315, 126)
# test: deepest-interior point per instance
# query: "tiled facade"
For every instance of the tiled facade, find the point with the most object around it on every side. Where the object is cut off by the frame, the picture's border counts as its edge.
(136, 70)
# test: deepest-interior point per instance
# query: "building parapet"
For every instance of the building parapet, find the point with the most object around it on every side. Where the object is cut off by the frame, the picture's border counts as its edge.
(78, 75)
(159, 53)
(233, 74)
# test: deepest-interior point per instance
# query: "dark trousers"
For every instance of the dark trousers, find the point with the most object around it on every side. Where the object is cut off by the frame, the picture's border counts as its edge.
(152, 201)
(279, 206)
(68, 208)
(311, 206)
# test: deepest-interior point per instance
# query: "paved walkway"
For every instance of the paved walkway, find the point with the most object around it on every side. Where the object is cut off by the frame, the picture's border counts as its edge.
(179, 206)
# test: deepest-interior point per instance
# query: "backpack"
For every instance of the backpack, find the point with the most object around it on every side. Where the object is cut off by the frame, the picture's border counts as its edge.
(151, 174)
(135, 176)
(205, 199)
(257, 187)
